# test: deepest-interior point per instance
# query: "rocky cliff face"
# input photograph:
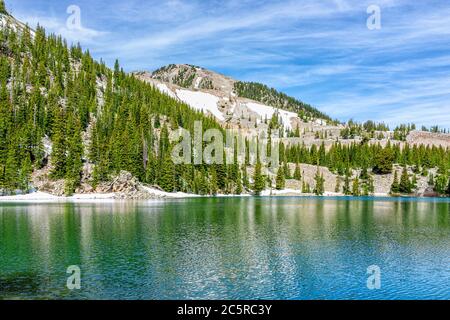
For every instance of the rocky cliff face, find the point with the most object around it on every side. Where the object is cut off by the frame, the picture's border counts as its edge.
(214, 94)
(428, 138)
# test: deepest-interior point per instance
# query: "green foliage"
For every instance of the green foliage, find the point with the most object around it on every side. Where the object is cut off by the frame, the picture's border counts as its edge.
(50, 91)
(167, 177)
(395, 187)
(319, 188)
(405, 185)
(306, 187)
(448, 188)
(337, 189)
(442, 184)
(370, 185)
(297, 173)
(383, 162)
(129, 131)
(258, 178)
(3, 7)
(355, 188)
(346, 189)
(280, 180)
(264, 94)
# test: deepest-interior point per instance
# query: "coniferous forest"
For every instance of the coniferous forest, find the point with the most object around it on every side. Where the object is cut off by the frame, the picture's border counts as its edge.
(55, 94)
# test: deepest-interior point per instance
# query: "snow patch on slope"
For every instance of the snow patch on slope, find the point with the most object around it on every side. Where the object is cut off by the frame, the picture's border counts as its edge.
(197, 82)
(268, 112)
(205, 102)
(165, 89)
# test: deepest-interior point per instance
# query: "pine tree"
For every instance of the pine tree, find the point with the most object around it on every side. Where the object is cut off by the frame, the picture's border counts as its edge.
(286, 171)
(448, 188)
(74, 163)
(245, 181)
(213, 183)
(59, 148)
(3, 7)
(364, 174)
(355, 188)
(431, 179)
(11, 171)
(306, 188)
(395, 187)
(384, 161)
(238, 190)
(440, 185)
(405, 182)
(258, 179)
(320, 181)
(25, 173)
(337, 189)
(167, 176)
(297, 173)
(280, 180)
(370, 185)
(346, 189)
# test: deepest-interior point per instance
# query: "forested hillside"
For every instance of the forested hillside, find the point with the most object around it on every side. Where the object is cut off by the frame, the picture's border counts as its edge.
(64, 112)
(53, 92)
(262, 93)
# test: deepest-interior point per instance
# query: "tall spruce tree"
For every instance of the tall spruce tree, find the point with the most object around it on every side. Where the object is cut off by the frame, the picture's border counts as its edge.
(355, 188)
(320, 183)
(395, 187)
(3, 7)
(280, 180)
(167, 176)
(297, 173)
(258, 179)
(405, 182)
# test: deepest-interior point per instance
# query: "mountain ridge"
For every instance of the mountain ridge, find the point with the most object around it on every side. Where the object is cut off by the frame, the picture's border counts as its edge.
(70, 124)
(198, 78)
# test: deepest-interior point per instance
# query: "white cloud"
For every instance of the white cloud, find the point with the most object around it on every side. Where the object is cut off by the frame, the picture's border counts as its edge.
(58, 26)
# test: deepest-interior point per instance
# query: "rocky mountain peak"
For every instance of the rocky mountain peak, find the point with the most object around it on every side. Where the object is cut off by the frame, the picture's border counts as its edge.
(194, 78)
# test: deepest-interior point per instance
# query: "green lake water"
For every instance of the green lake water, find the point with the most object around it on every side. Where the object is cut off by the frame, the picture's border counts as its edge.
(227, 248)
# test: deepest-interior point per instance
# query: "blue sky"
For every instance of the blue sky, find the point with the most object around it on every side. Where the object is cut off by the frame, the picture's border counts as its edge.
(318, 51)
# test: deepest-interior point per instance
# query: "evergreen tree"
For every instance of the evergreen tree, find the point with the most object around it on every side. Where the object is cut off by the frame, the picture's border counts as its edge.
(405, 182)
(11, 171)
(258, 179)
(364, 174)
(370, 185)
(306, 188)
(3, 7)
(167, 176)
(355, 188)
(213, 183)
(395, 187)
(59, 148)
(320, 183)
(383, 161)
(337, 189)
(286, 171)
(238, 190)
(347, 190)
(245, 181)
(74, 163)
(297, 173)
(25, 173)
(448, 188)
(280, 180)
(440, 185)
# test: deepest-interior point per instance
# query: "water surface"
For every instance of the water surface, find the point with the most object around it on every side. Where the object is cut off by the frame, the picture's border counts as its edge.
(227, 248)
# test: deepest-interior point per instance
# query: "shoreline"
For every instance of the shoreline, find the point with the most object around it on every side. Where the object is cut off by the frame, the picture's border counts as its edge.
(40, 197)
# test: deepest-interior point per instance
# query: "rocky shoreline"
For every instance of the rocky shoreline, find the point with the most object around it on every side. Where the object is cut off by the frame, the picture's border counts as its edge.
(125, 186)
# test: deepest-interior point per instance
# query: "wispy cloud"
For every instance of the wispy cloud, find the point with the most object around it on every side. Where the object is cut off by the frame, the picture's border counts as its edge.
(318, 51)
